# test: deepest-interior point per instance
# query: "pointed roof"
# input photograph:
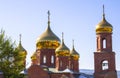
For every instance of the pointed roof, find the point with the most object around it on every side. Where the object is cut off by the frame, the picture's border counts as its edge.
(67, 70)
(62, 47)
(73, 51)
(48, 35)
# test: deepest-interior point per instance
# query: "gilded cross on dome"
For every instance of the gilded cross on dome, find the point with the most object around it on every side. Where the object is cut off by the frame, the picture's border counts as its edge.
(20, 37)
(48, 18)
(103, 12)
(62, 35)
(48, 15)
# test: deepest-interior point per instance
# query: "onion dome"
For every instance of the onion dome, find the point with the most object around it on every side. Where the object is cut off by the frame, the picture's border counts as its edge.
(21, 50)
(104, 26)
(33, 57)
(48, 39)
(62, 50)
(74, 54)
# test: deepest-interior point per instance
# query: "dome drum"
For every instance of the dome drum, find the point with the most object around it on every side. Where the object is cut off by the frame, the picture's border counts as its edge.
(47, 44)
(75, 57)
(63, 53)
(104, 30)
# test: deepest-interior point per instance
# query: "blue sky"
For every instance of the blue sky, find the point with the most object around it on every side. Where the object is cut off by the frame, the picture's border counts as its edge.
(76, 18)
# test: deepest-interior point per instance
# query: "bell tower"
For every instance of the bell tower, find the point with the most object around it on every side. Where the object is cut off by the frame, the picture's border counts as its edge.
(104, 57)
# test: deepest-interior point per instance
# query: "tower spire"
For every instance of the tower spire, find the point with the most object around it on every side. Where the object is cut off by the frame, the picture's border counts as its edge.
(73, 43)
(62, 37)
(103, 12)
(48, 18)
(20, 38)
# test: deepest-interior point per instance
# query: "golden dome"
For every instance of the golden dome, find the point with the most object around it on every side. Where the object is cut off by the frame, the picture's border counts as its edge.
(74, 54)
(48, 35)
(104, 26)
(48, 39)
(33, 57)
(62, 50)
(20, 48)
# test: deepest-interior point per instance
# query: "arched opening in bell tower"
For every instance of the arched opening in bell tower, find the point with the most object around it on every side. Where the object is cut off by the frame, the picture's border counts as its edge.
(104, 43)
(105, 65)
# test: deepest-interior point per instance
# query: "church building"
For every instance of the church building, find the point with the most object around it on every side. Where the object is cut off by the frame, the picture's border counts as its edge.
(52, 58)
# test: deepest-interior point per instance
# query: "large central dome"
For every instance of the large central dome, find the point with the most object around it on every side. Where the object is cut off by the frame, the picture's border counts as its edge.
(48, 39)
(48, 35)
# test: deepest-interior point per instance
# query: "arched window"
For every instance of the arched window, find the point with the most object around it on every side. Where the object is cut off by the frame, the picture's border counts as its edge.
(105, 65)
(44, 59)
(60, 63)
(104, 43)
(52, 59)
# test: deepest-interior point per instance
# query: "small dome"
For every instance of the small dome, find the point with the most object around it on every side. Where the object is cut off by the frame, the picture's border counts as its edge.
(74, 54)
(62, 50)
(33, 57)
(62, 47)
(20, 48)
